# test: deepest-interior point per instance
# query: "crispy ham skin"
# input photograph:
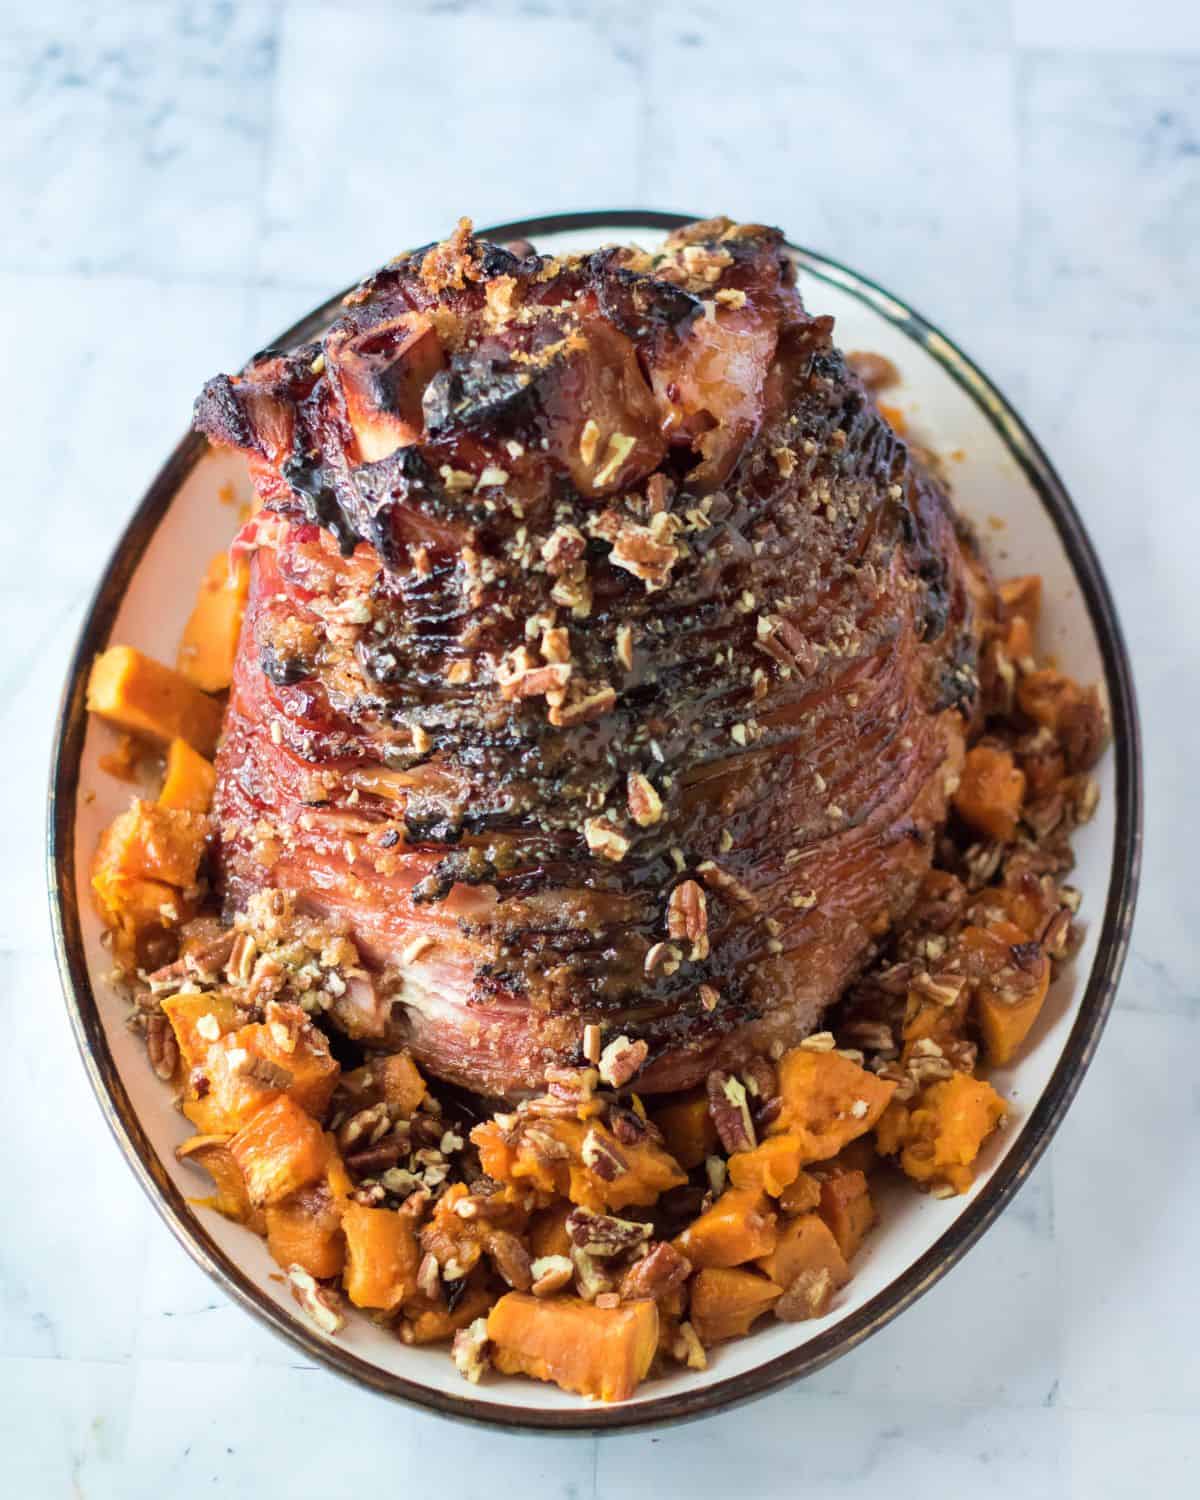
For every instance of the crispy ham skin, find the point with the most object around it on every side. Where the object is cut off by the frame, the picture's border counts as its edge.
(607, 657)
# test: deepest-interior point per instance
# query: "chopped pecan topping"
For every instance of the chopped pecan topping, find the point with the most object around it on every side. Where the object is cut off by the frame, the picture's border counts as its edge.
(604, 838)
(645, 805)
(687, 917)
(621, 1059)
(730, 1112)
(323, 1306)
(603, 1158)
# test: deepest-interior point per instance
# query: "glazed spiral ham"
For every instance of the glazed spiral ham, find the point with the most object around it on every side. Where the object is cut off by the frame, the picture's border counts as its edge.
(607, 658)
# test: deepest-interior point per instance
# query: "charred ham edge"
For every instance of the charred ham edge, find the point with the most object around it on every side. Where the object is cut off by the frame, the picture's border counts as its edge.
(577, 580)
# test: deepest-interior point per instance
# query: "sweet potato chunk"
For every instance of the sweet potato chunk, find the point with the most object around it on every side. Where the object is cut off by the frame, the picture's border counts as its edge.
(828, 1101)
(738, 1227)
(401, 1083)
(687, 1126)
(594, 1351)
(770, 1167)
(1023, 595)
(801, 1195)
(245, 1069)
(944, 1133)
(138, 694)
(134, 910)
(725, 1303)
(280, 1150)
(596, 1171)
(990, 792)
(1004, 1023)
(151, 842)
(306, 1230)
(232, 1198)
(210, 636)
(847, 1208)
(189, 781)
(548, 1231)
(434, 1324)
(805, 1244)
(381, 1256)
(198, 1019)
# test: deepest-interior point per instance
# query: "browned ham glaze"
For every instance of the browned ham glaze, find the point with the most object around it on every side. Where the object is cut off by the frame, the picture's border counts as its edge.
(607, 655)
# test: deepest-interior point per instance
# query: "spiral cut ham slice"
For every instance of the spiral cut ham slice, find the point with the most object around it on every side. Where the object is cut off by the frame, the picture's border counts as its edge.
(607, 656)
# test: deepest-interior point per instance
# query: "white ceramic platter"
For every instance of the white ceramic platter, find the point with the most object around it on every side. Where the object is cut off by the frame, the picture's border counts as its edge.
(1002, 483)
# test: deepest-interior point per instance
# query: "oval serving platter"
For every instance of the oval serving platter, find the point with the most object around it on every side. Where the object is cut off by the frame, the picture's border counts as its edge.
(1002, 482)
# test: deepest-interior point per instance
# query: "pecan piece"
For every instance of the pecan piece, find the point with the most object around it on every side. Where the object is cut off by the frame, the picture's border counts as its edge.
(510, 1258)
(602, 1158)
(808, 1296)
(621, 1059)
(161, 1046)
(730, 1112)
(322, 1305)
(687, 917)
(657, 1274)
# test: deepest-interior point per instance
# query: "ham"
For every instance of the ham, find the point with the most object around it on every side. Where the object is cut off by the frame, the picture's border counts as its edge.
(607, 658)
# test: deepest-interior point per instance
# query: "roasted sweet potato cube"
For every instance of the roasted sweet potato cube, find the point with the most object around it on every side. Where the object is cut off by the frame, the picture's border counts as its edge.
(199, 1019)
(140, 695)
(805, 1243)
(725, 1303)
(232, 1198)
(828, 1101)
(401, 1083)
(800, 1196)
(946, 1129)
(687, 1126)
(189, 781)
(990, 792)
(771, 1166)
(210, 636)
(740, 1226)
(135, 910)
(433, 1323)
(381, 1256)
(847, 1208)
(306, 1230)
(280, 1150)
(595, 1351)
(246, 1068)
(595, 1170)
(1023, 595)
(1004, 1022)
(150, 842)
(548, 1231)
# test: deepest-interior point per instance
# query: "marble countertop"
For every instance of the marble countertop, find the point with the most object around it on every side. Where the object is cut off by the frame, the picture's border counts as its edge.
(185, 178)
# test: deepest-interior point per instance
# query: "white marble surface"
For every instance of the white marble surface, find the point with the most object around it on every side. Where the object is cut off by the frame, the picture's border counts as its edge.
(183, 179)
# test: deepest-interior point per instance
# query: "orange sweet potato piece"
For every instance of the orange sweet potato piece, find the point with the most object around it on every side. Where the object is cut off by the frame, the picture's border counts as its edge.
(280, 1150)
(381, 1256)
(946, 1129)
(1023, 595)
(400, 1082)
(306, 1230)
(801, 1195)
(770, 1167)
(189, 781)
(210, 636)
(434, 1324)
(648, 1170)
(828, 1101)
(725, 1303)
(1005, 1016)
(548, 1231)
(1005, 1024)
(231, 1198)
(687, 1126)
(198, 1019)
(135, 910)
(245, 1069)
(594, 1351)
(990, 792)
(805, 1245)
(140, 695)
(740, 1226)
(847, 1208)
(150, 842)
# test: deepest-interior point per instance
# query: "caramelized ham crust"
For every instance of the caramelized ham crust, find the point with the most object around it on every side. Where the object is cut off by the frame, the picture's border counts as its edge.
(607, 655)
